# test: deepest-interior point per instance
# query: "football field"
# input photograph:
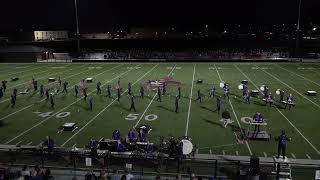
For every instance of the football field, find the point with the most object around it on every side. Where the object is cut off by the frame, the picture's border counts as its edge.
(33, 118)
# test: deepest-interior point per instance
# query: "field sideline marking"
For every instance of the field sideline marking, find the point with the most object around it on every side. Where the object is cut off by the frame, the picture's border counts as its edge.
(13, 113)
(235, 115)
(22, 71)
(91, 120)
(144, 112)
(291, 88)
(54, 114)
(298, 75)
(38, 79)
(190, 100)
(282, 114)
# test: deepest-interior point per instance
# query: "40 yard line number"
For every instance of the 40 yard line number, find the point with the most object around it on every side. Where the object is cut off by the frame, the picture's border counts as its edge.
(59, 115)
(150, 117)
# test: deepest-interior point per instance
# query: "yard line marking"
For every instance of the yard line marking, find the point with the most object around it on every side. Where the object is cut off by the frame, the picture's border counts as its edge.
(265, 154)
(235, 115)
(293, 156)
(54, 114)
(190, 100)
(144, 112)
(18, 143)
(91, 120)
(29, 143)
(223, 153)
(210, 151)
(308, 156)
(237, 153)
(295, 73)
(74, 145)
(282, 113)
(291, 88)
(40, 144)
(50, 83)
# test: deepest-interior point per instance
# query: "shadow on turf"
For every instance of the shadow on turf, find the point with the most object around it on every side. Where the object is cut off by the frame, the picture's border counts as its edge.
(208, 109)
(212, 122)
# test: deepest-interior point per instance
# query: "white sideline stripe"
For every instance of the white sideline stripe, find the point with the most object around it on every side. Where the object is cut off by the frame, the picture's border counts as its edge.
(190, 101)
(91, 120)
(235, 115)
(144, 112)
(41, 122)
(29, 143)
(18, 143)
(41, 77)
(23, 71)
(282, 114)
(265, 154)
(298, 75)
(291, 88)
(237, 153)
(50, 83)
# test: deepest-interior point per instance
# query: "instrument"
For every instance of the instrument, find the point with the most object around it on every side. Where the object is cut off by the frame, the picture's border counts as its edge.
(263, 87)
(240, 87)
(187, 146)
(278, 91)
(222, 84)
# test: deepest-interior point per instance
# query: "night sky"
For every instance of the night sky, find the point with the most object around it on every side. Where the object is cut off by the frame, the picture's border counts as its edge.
(105, 14)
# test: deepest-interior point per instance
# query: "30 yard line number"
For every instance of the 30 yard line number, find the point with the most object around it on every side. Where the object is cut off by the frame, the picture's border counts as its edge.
(133, 117)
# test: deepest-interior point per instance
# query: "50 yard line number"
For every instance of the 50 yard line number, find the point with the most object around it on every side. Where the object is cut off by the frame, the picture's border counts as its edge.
(150, 117)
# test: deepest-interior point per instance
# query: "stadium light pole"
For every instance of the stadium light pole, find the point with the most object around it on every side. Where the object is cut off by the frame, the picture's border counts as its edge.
(298, 31)
(77, 24)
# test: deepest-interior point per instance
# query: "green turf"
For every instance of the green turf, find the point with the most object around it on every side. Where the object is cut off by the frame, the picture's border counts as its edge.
(22, 125)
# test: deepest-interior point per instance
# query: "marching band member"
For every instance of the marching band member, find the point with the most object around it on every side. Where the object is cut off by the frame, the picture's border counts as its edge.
(98, 87)
(218, 104)
(120, 147)
(258, 118)
(35, 85)
(132, 135)
(159, 94)
(109, 90)
(212, 91)
(281, 96)
(244, 90)
(4, 85)
(142, 136)
(142, 92)
(116, 135)
(226, 90)
(269, 99)
(76, 90)
(65, 84)
(15, 91)
(13, 100)
(41, 90)
(1, 92)
(90, 103)
(199, 96)
(84, 91)
(282, 144)
(47, 93)
(129, 88)
(179, 92)
(177, 103)
(51, 101)
(289, 101)
(49, 143)
(132, 106)
(247, 96)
